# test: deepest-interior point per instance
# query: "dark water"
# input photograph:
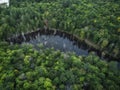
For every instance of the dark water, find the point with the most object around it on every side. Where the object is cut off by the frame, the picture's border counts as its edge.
(58, 43)
(58, 40)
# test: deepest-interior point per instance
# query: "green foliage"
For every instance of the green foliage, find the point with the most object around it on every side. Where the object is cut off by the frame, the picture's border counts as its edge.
(94, 20)
(24, 68)
(66, 70)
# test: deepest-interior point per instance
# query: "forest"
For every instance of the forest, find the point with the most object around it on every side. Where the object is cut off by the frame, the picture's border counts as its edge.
(22, 67)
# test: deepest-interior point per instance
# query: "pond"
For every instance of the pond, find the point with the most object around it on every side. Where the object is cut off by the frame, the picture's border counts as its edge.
(58, 43)
(59, 40)
(56, 39)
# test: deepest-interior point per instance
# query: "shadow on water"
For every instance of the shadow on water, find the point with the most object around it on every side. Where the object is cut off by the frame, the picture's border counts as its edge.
(52, 39)
(59, 40)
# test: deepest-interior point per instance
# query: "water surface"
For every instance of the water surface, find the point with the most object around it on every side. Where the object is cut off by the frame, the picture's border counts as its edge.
(58, 43)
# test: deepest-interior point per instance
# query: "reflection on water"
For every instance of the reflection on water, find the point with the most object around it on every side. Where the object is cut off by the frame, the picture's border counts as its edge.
(58, 43)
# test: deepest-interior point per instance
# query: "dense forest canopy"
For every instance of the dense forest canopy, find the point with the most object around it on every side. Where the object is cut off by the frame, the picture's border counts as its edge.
(98, 21)
(23, 67)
